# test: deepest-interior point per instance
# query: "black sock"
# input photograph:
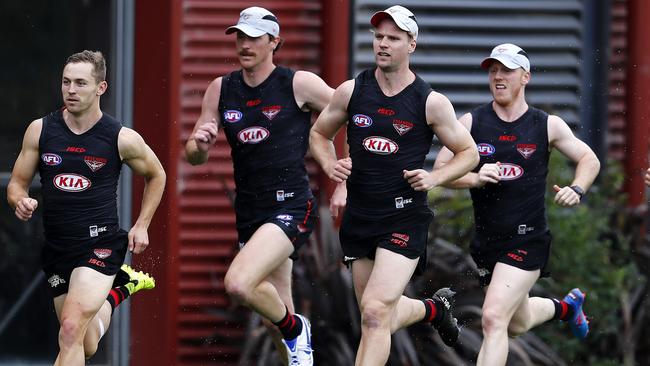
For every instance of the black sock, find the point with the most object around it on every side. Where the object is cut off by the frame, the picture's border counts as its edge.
(116, 296)
(432, 311)
(562, 310)
(121, 278)
(290, 326)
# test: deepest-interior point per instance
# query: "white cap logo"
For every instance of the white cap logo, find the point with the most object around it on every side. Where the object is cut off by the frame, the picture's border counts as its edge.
(510, 55)
(403, 17)
(255, 22)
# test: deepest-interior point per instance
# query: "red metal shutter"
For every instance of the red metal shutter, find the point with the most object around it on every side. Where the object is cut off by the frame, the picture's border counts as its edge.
(207, 222)
(617, 80)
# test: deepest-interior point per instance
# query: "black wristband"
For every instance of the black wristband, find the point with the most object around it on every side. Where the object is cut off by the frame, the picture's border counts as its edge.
(578, 190)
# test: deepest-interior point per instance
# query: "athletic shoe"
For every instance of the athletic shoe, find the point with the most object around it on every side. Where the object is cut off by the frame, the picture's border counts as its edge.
(299, 350)
(447, 325)
(578, 321)
(121, 278)
(138, 280)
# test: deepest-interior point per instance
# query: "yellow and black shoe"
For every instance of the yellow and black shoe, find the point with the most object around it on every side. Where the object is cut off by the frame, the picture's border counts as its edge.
(138, 280)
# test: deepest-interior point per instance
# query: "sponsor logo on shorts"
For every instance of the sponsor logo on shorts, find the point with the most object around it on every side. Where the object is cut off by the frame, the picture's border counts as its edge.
(380, 145)
(284, 217)
(509, 171)
(349, 259)
(241, 244)
(281, 195)
(404, 237)
(95, 163)
(523, 229)
(51, 159)
(94, 230)
(232, 116)
(253, 135)
(102, 253)
(55, 280)
(400, 240)
(400, 202)
(485, 149)
(402, 127)
(271, 111)
(517, 255)
(97, 262)
(361, 120)
(70, 182)
(526, 150)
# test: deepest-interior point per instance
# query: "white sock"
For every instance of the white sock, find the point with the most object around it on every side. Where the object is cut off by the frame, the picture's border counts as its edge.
(101, 328)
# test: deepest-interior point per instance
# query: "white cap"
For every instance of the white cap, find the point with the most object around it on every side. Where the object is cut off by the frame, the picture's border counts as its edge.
(255, 22)
(403, 17)
(510, 55)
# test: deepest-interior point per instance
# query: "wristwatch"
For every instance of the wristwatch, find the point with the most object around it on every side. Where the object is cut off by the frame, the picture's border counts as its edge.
(578, 190)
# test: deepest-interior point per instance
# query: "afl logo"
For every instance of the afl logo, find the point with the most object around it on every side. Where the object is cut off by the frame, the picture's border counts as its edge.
(51, 159)
(380, 145)
(362, 120)
(71, 182)
(253, 135)
(485, 149)
(232, 116)
(509, 171)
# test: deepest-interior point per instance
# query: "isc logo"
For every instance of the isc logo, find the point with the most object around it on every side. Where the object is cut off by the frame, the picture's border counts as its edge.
(253, 135)
(71, 182)
(380, 145)
(509, 171)
(485, 149)
(51, 159)
(232, 116)
(75, 149)
(362, 120)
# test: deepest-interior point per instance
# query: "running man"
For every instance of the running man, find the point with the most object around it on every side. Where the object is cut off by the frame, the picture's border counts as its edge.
(512, 241)
(78, 152)
(265, 111)
(391, 116)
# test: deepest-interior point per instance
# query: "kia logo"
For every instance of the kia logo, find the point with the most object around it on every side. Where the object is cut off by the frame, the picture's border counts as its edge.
(71, 182)
(253, 135)
(380, 145)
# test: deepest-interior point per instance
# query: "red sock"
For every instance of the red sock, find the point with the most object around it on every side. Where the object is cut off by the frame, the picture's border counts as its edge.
(562, 310)
(290, 326)
(116, 296)
(430, 311)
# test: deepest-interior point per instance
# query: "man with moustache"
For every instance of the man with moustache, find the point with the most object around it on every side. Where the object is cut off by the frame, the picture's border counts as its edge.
(265, 111)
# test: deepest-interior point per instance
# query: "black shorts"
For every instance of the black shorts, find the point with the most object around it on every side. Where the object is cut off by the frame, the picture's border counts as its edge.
(406, 235)
(105, 255)
(528, 254)
(296, 221)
